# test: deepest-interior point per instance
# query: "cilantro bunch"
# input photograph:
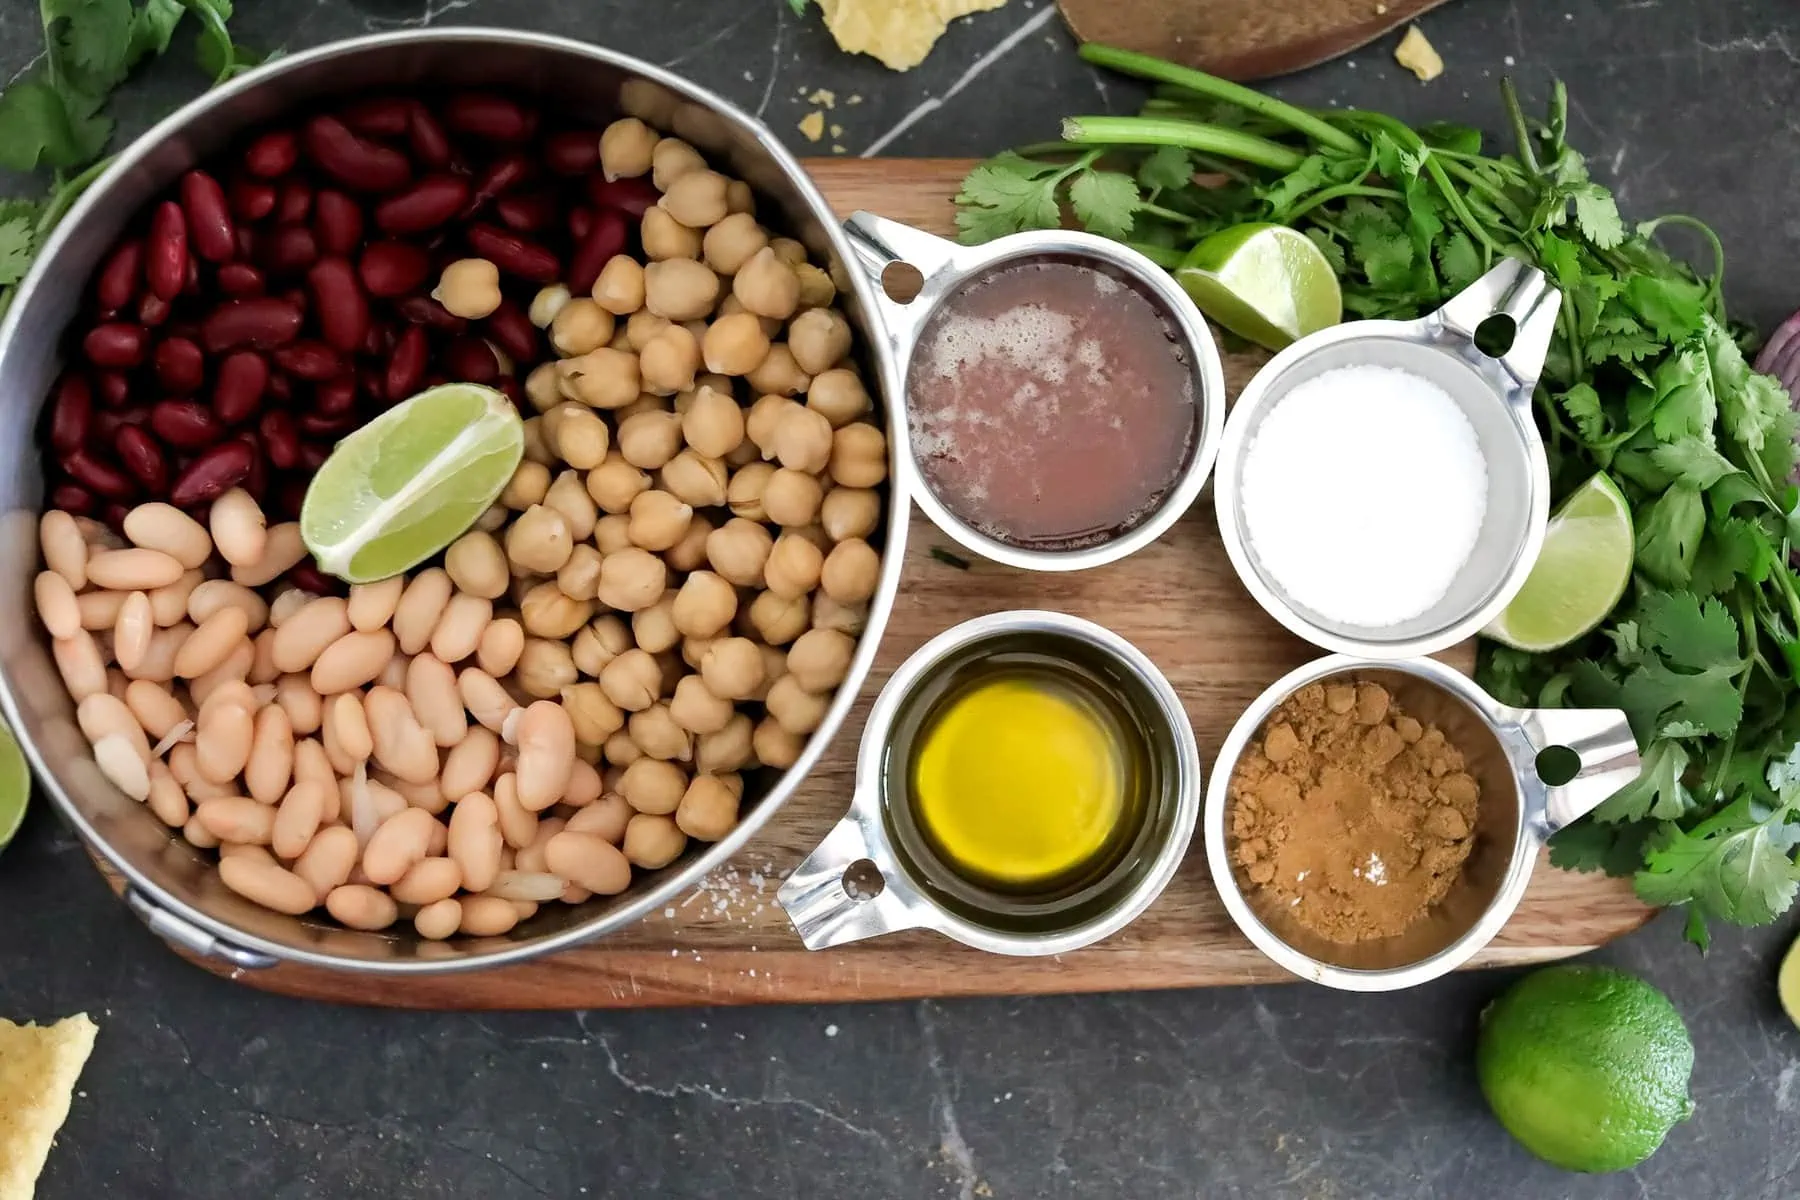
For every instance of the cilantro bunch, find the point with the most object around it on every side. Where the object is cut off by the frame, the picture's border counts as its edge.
(1646, 380)
(53, 117)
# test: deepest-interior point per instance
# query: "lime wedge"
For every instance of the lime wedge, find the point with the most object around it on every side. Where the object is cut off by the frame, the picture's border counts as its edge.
(1787, 983)
(1266, 283)
(1579, 575)
(409, 483)
(15, 786)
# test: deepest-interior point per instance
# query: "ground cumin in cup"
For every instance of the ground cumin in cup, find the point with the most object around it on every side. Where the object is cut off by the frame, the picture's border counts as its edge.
(1462, 797)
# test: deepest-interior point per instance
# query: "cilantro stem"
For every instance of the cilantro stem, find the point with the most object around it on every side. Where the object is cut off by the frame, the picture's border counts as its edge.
(1516, 116)
(1716, 286)
(1144, 66)
(1166, 257)
(1495, 194)
(1340, 192)
(1190, 135)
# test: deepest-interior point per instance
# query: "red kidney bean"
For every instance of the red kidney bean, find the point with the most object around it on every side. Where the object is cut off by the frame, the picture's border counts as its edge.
(238, 393)
(493, 118)
(166, 255)
(526, 213)
(185, 424)
(426, 205)
(256, 479)
(312, 457)
(513, 331)
(262, 322)
(143, 458)
(240, 279)
(391, 269)
(311, 361)
(103, 479)
(471, 360)
(288, 249)
(337, 222)
(152, 310)
(501, 176)
(71, 413)
(378, 340)
(509, 387)
(430, 145)
(513, 254)
(336, 396)
(280, 389)
(380, 116)
(112, 388)
(273, 154)
(359, 165)
(120, 277)
(210, 474)
(339, 304)
(575, 152)
(306, 576)
(191, 285)
(116, 344)
(72, 499)
(251, 200)
(246, 241)
(581, 221)
(110, 421)
(603, 241)
(180, 365)
(293, 203)
(406, 366)
(633, 197)
(423, 310)
(322, 425)
(208, 217)
(279, 438)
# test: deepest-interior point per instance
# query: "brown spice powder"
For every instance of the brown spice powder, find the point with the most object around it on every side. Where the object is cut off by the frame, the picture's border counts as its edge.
(1351, 813)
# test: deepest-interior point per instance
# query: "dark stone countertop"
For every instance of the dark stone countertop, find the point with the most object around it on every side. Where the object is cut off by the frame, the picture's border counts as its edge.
(201, 1089)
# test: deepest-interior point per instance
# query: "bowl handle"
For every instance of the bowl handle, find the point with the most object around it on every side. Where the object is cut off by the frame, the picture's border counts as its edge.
(817, 896)
(1510, 289)
(880, 242)
(1602, 739)
(189, 938)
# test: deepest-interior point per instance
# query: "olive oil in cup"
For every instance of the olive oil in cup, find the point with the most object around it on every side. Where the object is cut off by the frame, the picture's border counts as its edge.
(1027, 784)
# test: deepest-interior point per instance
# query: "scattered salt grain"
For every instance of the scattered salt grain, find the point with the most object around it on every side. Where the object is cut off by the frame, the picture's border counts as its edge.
(1363, 492)
(831, 1031)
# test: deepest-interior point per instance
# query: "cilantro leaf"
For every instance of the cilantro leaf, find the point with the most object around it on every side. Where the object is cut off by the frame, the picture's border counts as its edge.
(1165, 169)
(1735, 549)
(1656, 792)
(1582, 403)
(93, 42)
(1008, 194)
(1328, 246)
(1692, 461)
(1591, 846)
(1654, 697)
(1668, 535)
(38, 127)
(799, 7)
(1459, 261)
(1673, 307)
(1106, 202)
(1736, 865)
(1687, 632)
(1598, 216)
(152, 28)
(18, 239)
(1380, 247)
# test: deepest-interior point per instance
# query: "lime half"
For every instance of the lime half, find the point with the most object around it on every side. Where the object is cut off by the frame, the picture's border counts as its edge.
(409, 483)
(1787, 983)
(1579, 575)
(1266, 283)
(15, 786)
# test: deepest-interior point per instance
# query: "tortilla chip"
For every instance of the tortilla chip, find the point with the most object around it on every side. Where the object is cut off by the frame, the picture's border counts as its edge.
(898, 32)
(38, 1070)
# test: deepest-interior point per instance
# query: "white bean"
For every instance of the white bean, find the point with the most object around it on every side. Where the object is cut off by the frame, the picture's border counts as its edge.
(329, 859)
(348, 724)
(268, 884)
(431, 689)
(237, 819)
(298, 818)
(401, 744)
(159, 660)
(518, 824)
(546, 741)
(435, 922)
(428, 881)
(353, 660)
(156, 710)
(65, 550)
(420, 608)
(360, 906)
(459, 630)
(470, 763)
(589, 860)
(159, 526)
(100, 610)
(305, 635)
(166, 799)
(78, 661)
(475, 840)
(135, 570)
(222, 738)
(120, 761)
(282, 551)
(104, 715)
(305, 707)
(216, 639)
(169, 604)
(270, 767)
(403, 840)
(235, 669)
(212, 595)
(372, 604)
(56, 604)
(486, 700)
(487, 916)
(132, 631)
(262, 658)
(239, 528)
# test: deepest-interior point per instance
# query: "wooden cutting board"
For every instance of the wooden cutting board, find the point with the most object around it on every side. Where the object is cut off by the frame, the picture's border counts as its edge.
(1240, 39)
(728, 942)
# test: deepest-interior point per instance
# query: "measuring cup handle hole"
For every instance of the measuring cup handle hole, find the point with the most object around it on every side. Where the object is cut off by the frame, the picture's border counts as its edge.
(1557, 765)
(862, 881)
(1494, 337)
(902, 282)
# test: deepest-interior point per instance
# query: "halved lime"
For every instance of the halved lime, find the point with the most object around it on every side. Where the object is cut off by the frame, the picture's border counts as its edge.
(1787, 983)
(411, 481)
(15, 786)
(1266, 283)
(1579, 575)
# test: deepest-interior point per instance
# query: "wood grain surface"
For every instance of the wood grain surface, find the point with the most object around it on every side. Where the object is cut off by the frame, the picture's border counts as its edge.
(728, 942)
(1240, 39)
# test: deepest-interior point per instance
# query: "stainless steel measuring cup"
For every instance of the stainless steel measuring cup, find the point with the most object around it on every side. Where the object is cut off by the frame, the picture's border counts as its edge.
(1517, 812)
(874, 873)
(1494, 392)
(948, 269)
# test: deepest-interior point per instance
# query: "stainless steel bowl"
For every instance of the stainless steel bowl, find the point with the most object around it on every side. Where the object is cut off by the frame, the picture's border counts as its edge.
(170, 885)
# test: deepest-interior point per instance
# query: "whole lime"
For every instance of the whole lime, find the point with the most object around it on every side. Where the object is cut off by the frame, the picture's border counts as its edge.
(1587, 1066)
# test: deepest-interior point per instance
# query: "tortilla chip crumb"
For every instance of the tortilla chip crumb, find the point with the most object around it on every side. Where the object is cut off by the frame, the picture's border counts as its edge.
(812, 126)
(38, 1069)
(837, 131)
(824, 96)
(898, 32)
(854, 100)
(1419, 56)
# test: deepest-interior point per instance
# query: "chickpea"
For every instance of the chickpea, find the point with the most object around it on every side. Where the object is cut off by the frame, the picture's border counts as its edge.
(546, 304)
(788, 250)
(713, 423)
(670, 361)
(544, 669)
(647, 402)
(839, 395)
(731, 306)
(656, 734)
(820, 658)
(739, 198)
(658, 520)
(775, 746)
(679, 289)
(620, 750)
(793, 707)
(727, 750)
(671, 159)
(580, 327)
(548, 612)
(803, 441)
(620, 286)
(651, 785)
(735, 344)
(778, 374)
(536, 451)
(859, 456)
(667, 240)
(469, 288)
(579, 578)
(767, 286)
(493, 518)
(732, 242)
(539, 540)
(654, 627)
(745, 454)
(543, 388)
(627, 148)
(708, 809)
(792, 497)
(850, 513)
(595, 717)
(569, 497)
(780, 619)
(851, 571)
(632, 680)
(615, 483)
(644, 327)
(738, 550)
(696, 709)
(764, 418)
(501, 643)
(603, 378)
(601, 642)
(697, 199)
(653, 842)
(820, 339)
(745, 491)
(816, 288)
(477, 565)
(649, 439)
(581, 438)
(793, 567)
(732, 667)
(612, 532)
(833, 614)
(527, 486)
(631, 579)
(704, 605)
(689, 554)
